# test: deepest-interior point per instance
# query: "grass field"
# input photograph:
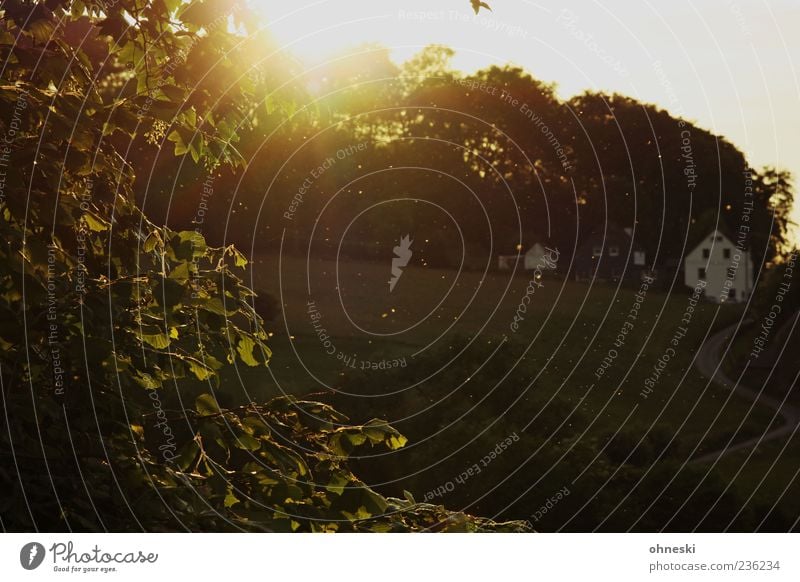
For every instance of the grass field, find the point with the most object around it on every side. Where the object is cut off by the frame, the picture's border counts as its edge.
(776, 369)
(569, 329)
(768, 472)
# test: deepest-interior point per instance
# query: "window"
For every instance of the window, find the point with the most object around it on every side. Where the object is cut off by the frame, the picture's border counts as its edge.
(706, 253)
(731, 293)
(597, 251)
(701, 274)
(726, 253)
(638, 258)
(613, 251)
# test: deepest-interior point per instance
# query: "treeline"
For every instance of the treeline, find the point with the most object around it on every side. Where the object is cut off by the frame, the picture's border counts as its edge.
(495, 157)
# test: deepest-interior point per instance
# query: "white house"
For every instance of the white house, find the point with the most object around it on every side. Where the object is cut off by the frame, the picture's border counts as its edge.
(536, 257)
(726, 269)
(506, 262)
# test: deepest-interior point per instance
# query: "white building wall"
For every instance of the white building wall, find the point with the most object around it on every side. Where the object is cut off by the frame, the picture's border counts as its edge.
(724, 268)
(537, 257)
(506, 262)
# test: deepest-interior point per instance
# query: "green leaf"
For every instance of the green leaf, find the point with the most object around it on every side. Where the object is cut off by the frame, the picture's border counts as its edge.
(375, 503)
(397, 442)
(248, 443)
(478, 4)
(206, 405)
(187, 245)
(201, 13)
(337, 484)
(215, 305)
(146, 381)
(169, 292)
(95, 223)
(376, 433)
(173, 93)
(196, 149)
(187, 455)
(238, 258)
(230, 498)
(154, 337)
(152, 241)
(356, 438)
(245, 349)
(211, 433)
(180, 145)
(380, 431)
(172, 4)
(113, 26)
(180, 272)
(41, 30)
(255, 426)
(201, 371)
(336, 444)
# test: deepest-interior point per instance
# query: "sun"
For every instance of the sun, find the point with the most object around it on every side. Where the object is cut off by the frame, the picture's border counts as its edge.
(317, 31)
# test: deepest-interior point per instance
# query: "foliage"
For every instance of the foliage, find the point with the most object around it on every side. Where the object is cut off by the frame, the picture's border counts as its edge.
(107, 320)
(540, 168)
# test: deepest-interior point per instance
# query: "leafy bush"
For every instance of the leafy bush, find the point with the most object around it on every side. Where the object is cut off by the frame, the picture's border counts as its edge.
(107, 320)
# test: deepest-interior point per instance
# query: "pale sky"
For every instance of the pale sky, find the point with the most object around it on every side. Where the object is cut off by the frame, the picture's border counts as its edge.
(731, 66)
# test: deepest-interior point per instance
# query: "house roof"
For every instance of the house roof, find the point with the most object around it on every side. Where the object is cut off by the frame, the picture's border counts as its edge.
(542, 246)
(721, 231)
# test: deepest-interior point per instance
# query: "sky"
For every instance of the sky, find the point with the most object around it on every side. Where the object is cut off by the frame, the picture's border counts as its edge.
(730, 66)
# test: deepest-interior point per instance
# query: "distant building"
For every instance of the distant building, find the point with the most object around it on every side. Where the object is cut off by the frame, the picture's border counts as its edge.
(726, 269)
(610, 255)
(537, 257)
(506, 262)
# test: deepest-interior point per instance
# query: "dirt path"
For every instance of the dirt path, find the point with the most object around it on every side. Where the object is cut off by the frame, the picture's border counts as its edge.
(709, 364)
